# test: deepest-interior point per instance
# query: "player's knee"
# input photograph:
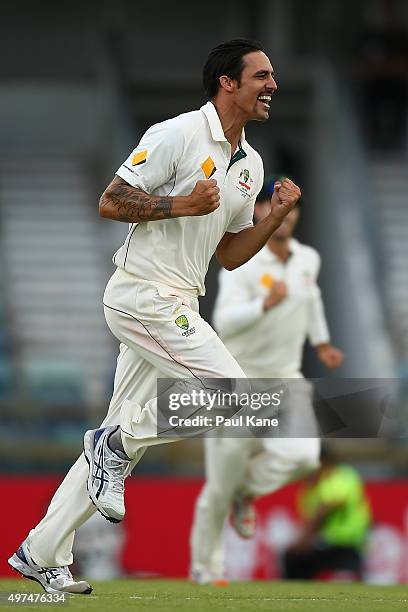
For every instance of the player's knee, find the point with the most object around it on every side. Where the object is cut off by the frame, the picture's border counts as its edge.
(217, 497)
(210, 493)
(241, 386)
(308, 455)
(227, 396)
(202, 500)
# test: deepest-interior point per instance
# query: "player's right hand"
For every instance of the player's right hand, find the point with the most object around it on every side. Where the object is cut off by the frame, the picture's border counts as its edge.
(204, 199)
(278, 292)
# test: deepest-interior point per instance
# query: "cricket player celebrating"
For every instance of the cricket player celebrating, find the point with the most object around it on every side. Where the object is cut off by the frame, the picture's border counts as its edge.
(181, 190)
(264, 312)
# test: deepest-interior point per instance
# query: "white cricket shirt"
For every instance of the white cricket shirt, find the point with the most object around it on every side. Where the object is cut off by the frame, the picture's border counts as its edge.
(270, 344)
(169, 160)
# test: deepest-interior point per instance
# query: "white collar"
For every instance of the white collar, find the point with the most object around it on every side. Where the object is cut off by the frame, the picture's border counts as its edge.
(214, 122)
(294, 248)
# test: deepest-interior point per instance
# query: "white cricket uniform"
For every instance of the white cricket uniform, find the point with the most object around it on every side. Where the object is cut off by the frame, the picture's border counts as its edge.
(266, 345)
(160, 273)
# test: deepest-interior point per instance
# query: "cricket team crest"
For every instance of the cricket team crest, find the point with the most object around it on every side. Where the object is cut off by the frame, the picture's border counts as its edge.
(245, 182)
(182, 323)
(308, 278)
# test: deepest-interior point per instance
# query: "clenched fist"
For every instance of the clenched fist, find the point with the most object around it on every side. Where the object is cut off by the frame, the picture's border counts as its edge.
(284, 198)
(204, 199)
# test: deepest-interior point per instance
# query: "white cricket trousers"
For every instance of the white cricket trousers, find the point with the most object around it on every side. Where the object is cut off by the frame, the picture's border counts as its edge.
(252, 467)
(142, 316)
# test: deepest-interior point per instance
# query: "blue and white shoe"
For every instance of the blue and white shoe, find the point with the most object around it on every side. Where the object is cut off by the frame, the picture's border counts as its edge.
(52, 579)
(107, 473)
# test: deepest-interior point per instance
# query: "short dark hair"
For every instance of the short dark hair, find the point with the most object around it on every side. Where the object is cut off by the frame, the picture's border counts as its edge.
(227, 59)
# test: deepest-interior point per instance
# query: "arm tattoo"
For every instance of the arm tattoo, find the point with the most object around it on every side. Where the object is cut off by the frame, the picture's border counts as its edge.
(132, 205)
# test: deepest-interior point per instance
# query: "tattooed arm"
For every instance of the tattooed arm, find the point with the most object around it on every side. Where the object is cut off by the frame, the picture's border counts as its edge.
(122, 202)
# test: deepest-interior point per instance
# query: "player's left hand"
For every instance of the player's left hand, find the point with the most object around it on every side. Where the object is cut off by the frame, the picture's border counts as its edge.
(330, 356)
(284, 198)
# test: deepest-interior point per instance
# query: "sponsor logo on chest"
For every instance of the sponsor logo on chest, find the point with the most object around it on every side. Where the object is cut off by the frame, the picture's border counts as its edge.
(245, 182)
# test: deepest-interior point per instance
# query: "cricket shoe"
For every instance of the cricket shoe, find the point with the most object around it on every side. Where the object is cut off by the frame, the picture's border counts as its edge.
(52, 579)
(206, 577)
(107, 473)
(243, 516)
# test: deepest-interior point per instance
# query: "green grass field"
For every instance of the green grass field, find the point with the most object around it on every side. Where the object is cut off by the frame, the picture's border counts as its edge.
(165, 595)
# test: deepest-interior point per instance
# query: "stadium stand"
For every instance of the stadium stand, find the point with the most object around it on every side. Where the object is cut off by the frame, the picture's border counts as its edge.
(390, 181)
(51, 253)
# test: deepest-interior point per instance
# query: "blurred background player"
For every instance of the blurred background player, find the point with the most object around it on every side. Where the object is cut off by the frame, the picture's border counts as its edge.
(264, 312)
(336, 515)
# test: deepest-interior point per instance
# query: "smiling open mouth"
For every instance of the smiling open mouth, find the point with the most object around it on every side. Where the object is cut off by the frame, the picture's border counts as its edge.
(265, 99)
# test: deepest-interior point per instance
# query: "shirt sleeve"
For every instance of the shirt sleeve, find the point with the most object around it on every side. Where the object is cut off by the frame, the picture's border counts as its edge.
(235, 308)
(154, 161)
(243, 219)
(318, 331)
